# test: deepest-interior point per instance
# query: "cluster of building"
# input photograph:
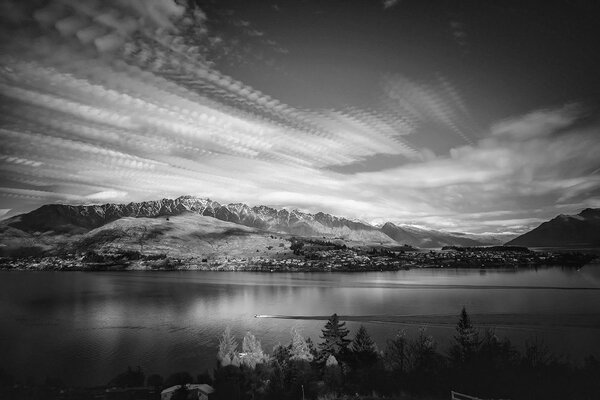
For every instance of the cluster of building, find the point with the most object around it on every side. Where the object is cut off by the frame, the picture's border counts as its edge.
(494, 257)
(40, 263)
(323, 259)
(369, 260)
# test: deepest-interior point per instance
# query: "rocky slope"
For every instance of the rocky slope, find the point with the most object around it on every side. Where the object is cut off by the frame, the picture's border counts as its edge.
(60, 218)
(54, 225)
(581, 230)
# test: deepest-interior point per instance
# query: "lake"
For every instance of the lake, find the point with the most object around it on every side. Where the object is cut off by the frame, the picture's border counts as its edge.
(85, 327)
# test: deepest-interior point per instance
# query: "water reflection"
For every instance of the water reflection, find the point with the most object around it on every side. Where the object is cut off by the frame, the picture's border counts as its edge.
(84, 327)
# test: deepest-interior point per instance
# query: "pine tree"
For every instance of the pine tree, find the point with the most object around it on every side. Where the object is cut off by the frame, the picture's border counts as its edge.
(422, 351)
(362, 360)
(464, 328)
(362, 342)
(396, 353)
(228, 349)
(364, 349)
(281, 354)
(312, 348)
(466, 338)
(334, 339)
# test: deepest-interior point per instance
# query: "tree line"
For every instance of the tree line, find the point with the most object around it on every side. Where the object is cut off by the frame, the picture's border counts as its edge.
(340, 367)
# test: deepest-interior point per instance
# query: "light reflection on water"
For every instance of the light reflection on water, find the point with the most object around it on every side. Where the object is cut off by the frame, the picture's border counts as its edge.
(86, 327)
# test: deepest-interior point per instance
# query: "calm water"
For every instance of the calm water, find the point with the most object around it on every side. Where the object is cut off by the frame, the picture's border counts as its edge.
(86, 327)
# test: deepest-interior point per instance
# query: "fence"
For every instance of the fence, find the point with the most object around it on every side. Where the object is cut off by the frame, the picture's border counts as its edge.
(462, 396)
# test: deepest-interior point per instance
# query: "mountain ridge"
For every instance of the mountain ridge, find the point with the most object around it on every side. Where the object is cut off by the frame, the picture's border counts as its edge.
(62, 219)
(428, 238)
(579, 230)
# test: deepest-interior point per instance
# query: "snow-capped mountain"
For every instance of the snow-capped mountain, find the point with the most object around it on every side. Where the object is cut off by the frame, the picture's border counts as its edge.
(55, 219)
(61, 218)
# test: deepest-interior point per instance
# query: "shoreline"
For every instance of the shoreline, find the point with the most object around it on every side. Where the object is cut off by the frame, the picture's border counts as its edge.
(51, 266)
(332, 260)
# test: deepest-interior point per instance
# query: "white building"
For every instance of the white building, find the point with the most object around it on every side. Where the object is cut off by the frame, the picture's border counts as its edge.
(195, 391)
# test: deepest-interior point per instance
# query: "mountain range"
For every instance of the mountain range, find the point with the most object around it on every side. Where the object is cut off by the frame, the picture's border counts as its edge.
(68, 219)
(74, 227)
(56, 225)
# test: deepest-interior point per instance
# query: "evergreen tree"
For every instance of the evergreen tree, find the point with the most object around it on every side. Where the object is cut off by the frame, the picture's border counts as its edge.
(312, 348)
(466, 338)
(228, 349)
(496, 354)
(334, 339)
(425, 362)
(300, 377)
(422, 351)
(396, 353)
(362, 360)
(362, 342)
(364, 348)
(281, 354)
(493, 374)
(276, 388)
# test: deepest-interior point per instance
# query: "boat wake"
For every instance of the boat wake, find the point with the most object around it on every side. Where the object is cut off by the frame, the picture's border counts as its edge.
(504, 320)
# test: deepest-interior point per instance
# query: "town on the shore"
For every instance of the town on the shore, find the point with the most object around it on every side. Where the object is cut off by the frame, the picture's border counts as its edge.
(312, 255)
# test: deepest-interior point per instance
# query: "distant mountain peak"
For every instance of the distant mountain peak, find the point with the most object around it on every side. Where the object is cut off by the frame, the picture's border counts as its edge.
(422, 237)
(581, 230)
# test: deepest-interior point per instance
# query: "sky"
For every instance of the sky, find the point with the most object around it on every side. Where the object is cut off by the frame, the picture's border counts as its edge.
(474, 116)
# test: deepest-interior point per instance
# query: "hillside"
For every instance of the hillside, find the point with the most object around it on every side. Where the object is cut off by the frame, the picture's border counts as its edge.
(581, 230)
(429, 238)
(184, 236)
(59, 218)
(59, 228)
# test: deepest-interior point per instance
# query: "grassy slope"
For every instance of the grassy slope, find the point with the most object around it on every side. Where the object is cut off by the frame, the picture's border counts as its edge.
(184, 236)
